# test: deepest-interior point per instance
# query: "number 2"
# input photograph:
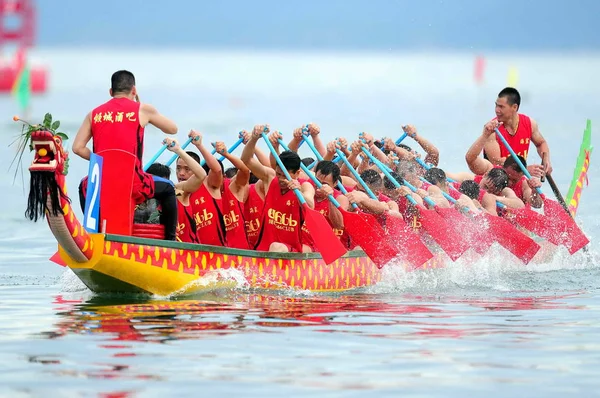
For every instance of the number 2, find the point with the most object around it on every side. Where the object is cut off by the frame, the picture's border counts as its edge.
(91, 222)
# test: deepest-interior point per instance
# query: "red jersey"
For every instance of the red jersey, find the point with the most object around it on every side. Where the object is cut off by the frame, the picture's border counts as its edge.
(116, 125)
(253, 209)
(233, 218)
(210, 228)
(518, 188)
(518, 142)
(186, 225)
(282, 219)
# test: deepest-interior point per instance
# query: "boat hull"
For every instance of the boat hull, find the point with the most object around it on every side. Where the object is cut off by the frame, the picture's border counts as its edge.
(137, 265)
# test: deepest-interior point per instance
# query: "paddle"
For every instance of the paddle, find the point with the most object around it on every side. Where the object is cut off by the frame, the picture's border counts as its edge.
(156, 156)
(555, 189)
(337, 159)
(505, 233)
(189, 140)
(560, 225)
(480, 238)
(399, 238)
(439, 229)
(363, 227)
(235, 145)
(327, 243)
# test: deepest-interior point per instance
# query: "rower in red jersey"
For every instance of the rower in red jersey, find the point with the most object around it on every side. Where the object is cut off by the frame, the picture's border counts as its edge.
(190, 177)
(328, 174)
(207, 206)
(519, 131)
(281, 229)
(119, 124)
(524, 188)
(235, 193)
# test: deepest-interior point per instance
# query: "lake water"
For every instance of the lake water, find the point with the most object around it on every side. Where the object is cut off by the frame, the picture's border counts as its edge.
(489, 328)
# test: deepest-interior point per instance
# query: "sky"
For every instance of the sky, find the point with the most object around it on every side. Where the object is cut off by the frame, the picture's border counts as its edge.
(329, 25)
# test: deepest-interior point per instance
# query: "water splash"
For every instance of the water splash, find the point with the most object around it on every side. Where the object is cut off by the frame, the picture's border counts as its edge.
(552, 269)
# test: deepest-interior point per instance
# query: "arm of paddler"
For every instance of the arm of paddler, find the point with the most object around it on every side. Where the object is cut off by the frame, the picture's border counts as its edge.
(460, 176)
(314, 132)
(193, 183)
(433, 154)
(215, 173)
(364, 202)
(294, 143)
(335, 216)
(488, 202)
(239, 183)
(476, 163)
(530, 194)
(541, 144)
(308, 191)
(149, 114)
(260, 170)
(348, 182)
(84, 135)
(510, 199)
(273, 139)
(492, 150)
(435, 193)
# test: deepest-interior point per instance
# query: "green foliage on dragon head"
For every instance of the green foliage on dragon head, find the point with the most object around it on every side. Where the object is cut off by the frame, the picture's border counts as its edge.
(48, 169)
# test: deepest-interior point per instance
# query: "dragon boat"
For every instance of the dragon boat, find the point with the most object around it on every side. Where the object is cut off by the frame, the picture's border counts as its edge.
(133, 258)
(125, 257)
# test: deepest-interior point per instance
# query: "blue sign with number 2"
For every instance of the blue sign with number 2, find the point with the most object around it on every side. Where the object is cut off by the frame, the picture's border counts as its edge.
(91, 214)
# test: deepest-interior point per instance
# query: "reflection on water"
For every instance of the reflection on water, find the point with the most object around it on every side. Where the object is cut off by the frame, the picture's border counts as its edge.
(262, 344)
(162, 321)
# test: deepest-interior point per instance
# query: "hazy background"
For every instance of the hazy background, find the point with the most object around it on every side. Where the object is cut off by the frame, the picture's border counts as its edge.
(333, 25)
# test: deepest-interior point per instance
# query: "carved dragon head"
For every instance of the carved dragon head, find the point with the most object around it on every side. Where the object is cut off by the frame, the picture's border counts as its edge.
(47, 145)
(48, 168)
(49, 154)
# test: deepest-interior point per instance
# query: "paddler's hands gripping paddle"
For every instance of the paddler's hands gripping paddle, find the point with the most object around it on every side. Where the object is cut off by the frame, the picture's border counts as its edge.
(189, 141)
(327, 243)
(560, 225)
(363, 227)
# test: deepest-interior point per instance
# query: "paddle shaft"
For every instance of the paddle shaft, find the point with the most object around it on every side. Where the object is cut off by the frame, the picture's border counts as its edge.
(282, 167)
(557, 193)
(337, 159)
(385, 169)
(339, 184)
(151, 161)
(175, 156)
(355, 174)
(515, 157)
(189, 140)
